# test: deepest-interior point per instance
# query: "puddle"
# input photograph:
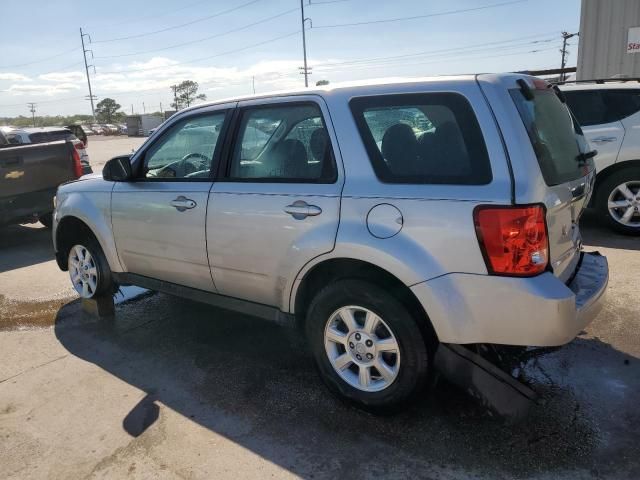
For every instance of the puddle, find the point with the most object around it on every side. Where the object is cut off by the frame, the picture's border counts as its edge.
(17, 315)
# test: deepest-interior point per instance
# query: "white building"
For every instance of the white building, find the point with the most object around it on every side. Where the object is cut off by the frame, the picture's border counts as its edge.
(609, 39)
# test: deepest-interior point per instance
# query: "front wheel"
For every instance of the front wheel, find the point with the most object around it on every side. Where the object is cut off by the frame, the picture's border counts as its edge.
(89, 270)
(368, 348)
(619, 201)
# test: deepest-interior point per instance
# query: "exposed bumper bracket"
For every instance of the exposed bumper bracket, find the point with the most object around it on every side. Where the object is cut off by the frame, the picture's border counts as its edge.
(494, 388)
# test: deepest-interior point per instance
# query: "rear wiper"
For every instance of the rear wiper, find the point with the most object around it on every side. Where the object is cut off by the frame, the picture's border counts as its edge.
(583, 157)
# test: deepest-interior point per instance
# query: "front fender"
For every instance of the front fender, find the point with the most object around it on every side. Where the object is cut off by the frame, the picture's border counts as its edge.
(94, 209)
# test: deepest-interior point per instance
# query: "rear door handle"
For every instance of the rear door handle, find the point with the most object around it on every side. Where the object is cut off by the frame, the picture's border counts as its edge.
(183, 203)
(301, 210)
(604, 139)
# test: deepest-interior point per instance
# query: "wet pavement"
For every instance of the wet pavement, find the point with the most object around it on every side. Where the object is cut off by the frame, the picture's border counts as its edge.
(176, 389)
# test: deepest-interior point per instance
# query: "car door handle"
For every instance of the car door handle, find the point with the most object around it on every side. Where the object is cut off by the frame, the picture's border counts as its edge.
(301, 209)
(604, 139)
(183, 203)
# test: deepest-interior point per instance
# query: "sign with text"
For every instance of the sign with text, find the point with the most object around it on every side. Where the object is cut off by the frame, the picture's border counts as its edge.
(633, 40)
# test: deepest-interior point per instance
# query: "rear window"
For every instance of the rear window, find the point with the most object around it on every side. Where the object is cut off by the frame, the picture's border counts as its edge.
(51, 136)
(428, 138)
(556, 137)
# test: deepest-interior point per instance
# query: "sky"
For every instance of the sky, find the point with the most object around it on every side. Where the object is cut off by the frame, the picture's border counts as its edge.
(139, 48)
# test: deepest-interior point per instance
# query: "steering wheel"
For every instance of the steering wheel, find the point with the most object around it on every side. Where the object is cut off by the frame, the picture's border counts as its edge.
(183, 167)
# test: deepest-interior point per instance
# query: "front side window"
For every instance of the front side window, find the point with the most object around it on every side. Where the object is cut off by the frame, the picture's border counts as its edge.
(283, 143)
(555, 136)
(186, 151)
(430, 138)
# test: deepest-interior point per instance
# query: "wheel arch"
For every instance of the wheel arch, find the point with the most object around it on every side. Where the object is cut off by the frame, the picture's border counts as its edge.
(602, 176)
(332, 269)
(69, 229)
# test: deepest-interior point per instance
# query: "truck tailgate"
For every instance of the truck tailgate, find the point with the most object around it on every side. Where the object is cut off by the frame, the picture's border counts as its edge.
(34, 167)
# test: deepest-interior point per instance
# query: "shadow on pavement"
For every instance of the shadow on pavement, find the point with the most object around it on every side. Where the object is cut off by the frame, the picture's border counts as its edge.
(254, 383)
(24, 245)
(596, 233)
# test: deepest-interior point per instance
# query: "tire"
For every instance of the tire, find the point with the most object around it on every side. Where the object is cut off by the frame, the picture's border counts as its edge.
(46, 219)
(364, 300)
(96, 276)
(610, 190)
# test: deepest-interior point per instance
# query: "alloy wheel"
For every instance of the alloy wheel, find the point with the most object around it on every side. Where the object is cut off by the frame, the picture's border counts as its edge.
(83, 271)
(362, 348)
(624, 204)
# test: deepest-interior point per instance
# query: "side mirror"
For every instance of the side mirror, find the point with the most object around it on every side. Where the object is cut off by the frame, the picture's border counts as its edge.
(118, 169)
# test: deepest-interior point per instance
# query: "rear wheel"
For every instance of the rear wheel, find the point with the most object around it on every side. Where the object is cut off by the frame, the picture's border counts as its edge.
(89, 270)
(368, 348)
(619, 201)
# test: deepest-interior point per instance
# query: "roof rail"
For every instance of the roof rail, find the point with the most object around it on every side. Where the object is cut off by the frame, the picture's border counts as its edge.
(600, 80)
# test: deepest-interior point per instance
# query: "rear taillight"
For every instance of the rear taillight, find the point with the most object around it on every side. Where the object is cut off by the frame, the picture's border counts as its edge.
(79, 146)
(77, 164)
(514, 240)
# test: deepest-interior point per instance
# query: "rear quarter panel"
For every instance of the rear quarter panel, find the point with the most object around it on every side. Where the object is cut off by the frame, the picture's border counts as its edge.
(438, 234)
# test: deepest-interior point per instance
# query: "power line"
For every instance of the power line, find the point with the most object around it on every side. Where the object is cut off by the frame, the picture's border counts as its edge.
(42, 60)
(202, 19)
(204, 58)
(415, 17)
(137, 19)
(543, 38)
(217, 35)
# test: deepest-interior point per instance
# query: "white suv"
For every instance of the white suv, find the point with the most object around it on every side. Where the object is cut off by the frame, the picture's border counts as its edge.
(609, 114)
(385, 219)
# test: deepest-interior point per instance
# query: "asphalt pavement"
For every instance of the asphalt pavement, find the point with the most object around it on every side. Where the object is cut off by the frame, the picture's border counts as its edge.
(175, 389)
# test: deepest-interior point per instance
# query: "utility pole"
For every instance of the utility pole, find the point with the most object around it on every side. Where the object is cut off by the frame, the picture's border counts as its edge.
(161, 108)
(305, 69)
(132, 109)
(32, 109)
(253, 84)
(86, 68)
(175, 96)
(565, 36)
(144, 110)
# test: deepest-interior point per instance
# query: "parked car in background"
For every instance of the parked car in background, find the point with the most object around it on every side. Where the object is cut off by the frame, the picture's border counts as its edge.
(384, 219)
(609, 113)
(97, 129)
(30, 172)
(87, 129)
(51, 134)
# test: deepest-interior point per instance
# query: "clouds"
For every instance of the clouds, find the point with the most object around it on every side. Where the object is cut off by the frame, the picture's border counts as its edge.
(42, 89)
(14, 77)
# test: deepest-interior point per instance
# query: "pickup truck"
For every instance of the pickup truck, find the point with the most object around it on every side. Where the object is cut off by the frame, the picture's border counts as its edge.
(29, 177)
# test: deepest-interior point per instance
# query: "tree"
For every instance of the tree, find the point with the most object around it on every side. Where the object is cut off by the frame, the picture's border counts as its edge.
(185, 93)
(320, 83)
(107, 110)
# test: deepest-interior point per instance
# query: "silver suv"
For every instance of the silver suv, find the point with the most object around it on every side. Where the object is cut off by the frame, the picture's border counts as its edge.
(385, 219)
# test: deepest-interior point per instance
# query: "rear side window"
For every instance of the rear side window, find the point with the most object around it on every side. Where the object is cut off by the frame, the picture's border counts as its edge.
(596, 107)
(283, 143)
(428, 138)
(556, 137)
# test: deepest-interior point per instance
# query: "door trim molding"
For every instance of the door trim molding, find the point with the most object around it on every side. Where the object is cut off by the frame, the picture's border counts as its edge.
(222, 301)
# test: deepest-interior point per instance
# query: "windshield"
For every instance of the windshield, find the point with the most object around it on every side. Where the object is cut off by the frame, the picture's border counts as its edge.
(555, 135)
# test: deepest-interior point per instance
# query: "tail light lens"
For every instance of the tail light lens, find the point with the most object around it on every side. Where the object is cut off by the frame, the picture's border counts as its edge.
(77, 164)
(513, 240)
(80, 146)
